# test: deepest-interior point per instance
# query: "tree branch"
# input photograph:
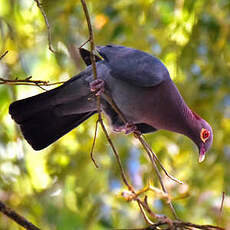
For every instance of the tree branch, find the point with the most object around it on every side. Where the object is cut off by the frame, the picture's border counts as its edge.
(4, 54)
(91, 39)
(164, 225)
(153, 158)
(148, 151)
(16, 217)
(47, 25)
(143, 205)
(28, 81)
(180, 224)
(94, 141)
(93, 61)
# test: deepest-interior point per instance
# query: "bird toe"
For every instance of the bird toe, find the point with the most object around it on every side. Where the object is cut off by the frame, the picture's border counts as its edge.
(97, 86)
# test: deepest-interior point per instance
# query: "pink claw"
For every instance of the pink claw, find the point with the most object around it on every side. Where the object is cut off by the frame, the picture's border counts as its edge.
(97, 86)
(118, 129)
(130, 127)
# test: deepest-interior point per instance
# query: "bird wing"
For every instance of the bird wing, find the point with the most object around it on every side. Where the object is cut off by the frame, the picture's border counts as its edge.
(85, 55)
(145, 128)
(133, 66)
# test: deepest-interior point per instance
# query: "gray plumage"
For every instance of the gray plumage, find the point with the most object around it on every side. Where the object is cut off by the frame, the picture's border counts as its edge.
(140, 86)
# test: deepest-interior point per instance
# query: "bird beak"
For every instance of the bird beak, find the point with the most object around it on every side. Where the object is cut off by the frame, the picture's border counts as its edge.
(202, 154)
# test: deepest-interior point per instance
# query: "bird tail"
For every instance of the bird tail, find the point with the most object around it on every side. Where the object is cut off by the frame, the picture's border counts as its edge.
(39, 121)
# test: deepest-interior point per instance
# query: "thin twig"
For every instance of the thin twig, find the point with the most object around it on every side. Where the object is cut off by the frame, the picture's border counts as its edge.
(121, 115)
(180, 225)
(160, 218)
(147, 208)
(84, 43)
(3, 55)
(93, 61)
(142, 204)
(160, 164)
(157, 172)
(188, 224)
(115, 108)
(91, 38)
(93, 145)
(92, 56)
(47, 25)
(164, 225)
(158, 191)
(41, 87)
(221, 208)
(143, 213)
(222, 203)
(130, 187)
(16, 217)
(147, 149)
(27, 81)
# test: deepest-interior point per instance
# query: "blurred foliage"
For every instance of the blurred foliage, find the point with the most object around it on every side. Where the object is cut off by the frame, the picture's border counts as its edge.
(59, 187)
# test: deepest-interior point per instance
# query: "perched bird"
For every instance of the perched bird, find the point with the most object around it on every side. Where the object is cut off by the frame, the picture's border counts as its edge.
(138, 83)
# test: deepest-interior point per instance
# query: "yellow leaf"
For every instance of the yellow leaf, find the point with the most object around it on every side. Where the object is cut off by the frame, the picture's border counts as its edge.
(100, 21)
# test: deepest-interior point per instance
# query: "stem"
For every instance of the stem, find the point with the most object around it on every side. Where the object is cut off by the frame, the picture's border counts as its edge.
(4, 54)
(47, 25)
(16, 217)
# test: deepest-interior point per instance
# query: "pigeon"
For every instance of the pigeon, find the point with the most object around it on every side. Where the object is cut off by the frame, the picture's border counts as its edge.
(138, 83)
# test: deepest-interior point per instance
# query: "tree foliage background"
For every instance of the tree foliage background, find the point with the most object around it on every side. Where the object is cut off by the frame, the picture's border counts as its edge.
(59, 187)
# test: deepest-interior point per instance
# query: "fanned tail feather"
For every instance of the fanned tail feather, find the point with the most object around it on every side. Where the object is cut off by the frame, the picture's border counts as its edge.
(40, 122)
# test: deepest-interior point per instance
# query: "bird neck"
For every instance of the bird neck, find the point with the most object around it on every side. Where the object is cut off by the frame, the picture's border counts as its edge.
(182, 120)
(188, 123)
(193, 130)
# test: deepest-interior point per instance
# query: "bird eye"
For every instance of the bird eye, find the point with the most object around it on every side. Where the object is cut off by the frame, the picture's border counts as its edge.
(204, 134)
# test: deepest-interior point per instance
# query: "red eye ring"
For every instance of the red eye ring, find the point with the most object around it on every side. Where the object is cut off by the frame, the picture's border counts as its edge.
(204, 135)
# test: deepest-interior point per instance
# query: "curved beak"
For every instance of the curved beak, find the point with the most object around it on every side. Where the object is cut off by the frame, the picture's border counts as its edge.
(202, 154)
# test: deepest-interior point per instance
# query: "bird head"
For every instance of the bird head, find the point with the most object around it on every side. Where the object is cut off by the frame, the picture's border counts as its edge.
(204, 138)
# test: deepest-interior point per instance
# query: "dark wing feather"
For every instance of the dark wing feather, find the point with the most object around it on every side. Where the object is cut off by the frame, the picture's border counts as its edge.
(85, 55)
(144, 128)
(131, 65)
(134, 66)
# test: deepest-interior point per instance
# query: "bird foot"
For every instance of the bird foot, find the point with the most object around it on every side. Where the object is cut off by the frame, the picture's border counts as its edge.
(97, 86)
(128, 128)
(118, 129)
